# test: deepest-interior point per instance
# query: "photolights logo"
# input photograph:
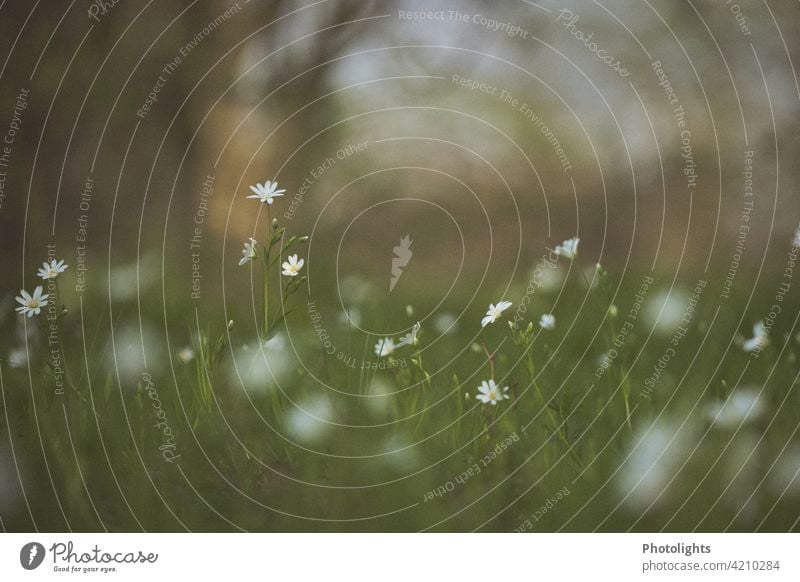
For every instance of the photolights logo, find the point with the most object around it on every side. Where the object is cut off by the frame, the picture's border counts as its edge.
(31, 555)
(400, 261)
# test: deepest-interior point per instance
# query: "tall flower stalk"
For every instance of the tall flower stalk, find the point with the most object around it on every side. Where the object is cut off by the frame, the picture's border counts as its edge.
(265, 271)
(523, 339)
(569, 249)
(274, 250)
(32, 305)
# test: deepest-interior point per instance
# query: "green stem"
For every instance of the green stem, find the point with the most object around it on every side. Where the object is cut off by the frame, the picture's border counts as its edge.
(266, 297)
(67, 376)
(608, 342)
(490, 359)
(267, 253)
(627, 409)
(551, 417)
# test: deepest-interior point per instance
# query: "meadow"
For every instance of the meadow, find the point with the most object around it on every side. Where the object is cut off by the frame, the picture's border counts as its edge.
(580, 400)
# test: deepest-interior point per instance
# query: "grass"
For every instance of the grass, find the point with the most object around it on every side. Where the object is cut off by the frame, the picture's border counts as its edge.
(284, 436)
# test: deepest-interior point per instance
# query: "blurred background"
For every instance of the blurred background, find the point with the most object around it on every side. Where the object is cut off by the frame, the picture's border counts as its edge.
(663, 135)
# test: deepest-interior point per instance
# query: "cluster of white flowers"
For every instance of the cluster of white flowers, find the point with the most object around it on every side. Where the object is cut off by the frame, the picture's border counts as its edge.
(31, 304)
(266, 194)
(387, 346)
(488, 391)
(569, 250)
(760, 338)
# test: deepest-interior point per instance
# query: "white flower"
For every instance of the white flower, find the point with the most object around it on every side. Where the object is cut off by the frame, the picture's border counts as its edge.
(266, 192)
(186, 355)
(445, 323)
(742, 405)
(248, 252)
(490, 393)
(759, 340)
(494, 312)
(292, 266)
(651, 464)
(664, 309)
(51, 269)
(410, 339)
(31, 304)
(384, 347)
(18, 357)
(309, 421)
(547, 321)
(568, 249)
